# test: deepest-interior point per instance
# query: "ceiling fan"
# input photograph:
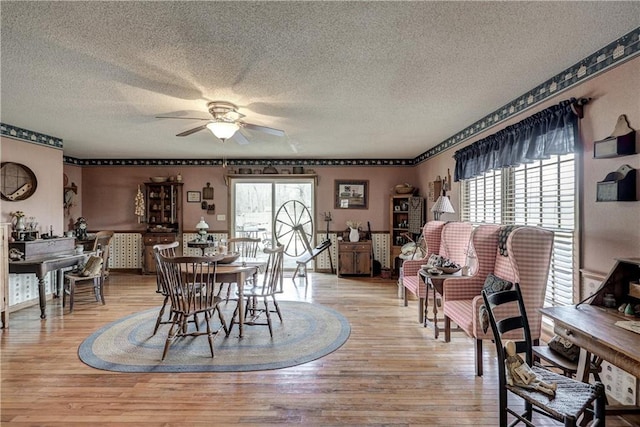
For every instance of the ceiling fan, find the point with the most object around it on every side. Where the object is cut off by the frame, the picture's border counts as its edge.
(225, 123)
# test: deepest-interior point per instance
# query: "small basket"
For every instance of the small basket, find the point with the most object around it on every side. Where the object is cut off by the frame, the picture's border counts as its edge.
(404, 189)
(450, 270)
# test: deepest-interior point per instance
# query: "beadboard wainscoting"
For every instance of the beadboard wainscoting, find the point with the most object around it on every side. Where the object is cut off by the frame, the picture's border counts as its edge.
(23, 289)
(126, 251)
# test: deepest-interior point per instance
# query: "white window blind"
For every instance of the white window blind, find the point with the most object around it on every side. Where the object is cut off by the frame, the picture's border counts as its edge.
(542, 194)
(482, 199)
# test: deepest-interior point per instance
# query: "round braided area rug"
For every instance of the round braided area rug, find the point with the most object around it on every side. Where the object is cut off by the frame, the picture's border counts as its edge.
(308, 332)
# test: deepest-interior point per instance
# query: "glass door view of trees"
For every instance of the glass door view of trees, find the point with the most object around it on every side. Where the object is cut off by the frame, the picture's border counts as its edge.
(255, 203)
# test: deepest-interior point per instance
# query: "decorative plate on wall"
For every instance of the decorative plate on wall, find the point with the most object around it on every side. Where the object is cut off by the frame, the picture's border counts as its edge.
(18, 182)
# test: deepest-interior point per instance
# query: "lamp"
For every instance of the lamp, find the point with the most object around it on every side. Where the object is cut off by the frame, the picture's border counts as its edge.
(443, 205)
(222, 129)
(202, 229)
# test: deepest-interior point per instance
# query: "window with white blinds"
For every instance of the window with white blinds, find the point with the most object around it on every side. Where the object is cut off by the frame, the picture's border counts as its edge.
(542, 194)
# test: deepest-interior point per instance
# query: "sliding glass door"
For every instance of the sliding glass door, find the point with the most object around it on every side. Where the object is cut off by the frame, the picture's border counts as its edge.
(255, 202)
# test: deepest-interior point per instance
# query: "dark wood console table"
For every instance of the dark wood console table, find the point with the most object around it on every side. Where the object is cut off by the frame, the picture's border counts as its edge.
(41, 264)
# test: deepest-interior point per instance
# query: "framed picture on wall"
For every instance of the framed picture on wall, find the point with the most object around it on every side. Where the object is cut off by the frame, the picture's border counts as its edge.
(351, 194)
(193, 196)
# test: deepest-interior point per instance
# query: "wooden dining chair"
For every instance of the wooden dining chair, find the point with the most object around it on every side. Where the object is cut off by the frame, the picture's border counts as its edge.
(190, 283)
(103, 238)
(247, 247)
(94, 271)
(572, 400)
(258, 293)
(167, 250)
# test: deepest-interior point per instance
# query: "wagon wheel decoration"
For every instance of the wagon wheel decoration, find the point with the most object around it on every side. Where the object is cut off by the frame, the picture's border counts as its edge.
(293, 228)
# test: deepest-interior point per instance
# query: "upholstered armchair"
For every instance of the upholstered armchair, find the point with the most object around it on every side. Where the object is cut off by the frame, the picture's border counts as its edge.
(454, 241)
(409, 278)
(523, 257)
(453, 244)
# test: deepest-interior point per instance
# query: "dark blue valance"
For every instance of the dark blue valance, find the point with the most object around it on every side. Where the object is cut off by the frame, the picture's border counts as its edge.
(553, 131)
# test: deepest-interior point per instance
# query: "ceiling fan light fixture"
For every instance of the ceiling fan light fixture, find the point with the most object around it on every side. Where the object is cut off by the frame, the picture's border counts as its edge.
(223, 130)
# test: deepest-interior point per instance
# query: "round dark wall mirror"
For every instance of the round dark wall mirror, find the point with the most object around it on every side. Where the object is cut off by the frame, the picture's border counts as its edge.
(18, 182)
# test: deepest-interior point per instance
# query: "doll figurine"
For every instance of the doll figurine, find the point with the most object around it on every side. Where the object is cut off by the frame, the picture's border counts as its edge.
(81, 229)
(520, 374)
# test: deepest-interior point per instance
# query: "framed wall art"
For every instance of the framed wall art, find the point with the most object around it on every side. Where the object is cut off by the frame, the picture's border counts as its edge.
(351, 194)
(193, 197)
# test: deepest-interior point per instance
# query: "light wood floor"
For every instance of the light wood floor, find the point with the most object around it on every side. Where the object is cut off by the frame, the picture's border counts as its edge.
(391, 371)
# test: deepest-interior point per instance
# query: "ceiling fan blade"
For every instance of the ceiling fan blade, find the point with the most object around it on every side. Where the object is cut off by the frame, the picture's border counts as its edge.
(185, 118)
(271, 131)
(240, 138)
(190, 131)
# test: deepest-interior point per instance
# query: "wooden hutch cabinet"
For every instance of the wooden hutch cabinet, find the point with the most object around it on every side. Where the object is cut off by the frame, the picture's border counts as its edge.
(163, 205)
(355, 258)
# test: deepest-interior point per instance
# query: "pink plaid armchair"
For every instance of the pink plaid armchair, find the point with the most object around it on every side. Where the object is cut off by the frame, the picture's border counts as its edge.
(409, 273)
(527, 260)
(452, 241)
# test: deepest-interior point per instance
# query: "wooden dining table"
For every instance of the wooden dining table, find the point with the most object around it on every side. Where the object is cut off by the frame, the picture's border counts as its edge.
(237, 272)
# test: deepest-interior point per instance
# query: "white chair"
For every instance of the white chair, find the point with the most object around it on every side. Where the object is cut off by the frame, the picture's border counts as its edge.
(262, 290)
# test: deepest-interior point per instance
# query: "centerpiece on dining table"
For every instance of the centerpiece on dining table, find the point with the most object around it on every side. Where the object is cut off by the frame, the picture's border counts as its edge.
(229, 258)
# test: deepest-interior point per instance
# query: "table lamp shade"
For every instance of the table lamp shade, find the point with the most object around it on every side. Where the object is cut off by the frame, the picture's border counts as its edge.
(443, 205)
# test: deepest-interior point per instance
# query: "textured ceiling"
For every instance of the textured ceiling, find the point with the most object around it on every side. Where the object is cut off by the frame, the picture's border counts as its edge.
(343, 79)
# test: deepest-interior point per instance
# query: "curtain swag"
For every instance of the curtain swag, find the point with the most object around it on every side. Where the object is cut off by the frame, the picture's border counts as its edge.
(553, 131)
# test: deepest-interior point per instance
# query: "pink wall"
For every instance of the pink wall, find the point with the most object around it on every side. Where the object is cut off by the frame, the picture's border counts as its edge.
(381, 183)
(608, 230)
(46, 203)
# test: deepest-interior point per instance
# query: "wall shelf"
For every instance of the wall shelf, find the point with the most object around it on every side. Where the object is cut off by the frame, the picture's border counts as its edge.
(618, 186)
(622, 141)
(617, 146)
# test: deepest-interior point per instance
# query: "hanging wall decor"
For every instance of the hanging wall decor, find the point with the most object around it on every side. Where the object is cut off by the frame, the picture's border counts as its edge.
(621, 142)
(618, 186)
(207, 192)
(351, 194)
